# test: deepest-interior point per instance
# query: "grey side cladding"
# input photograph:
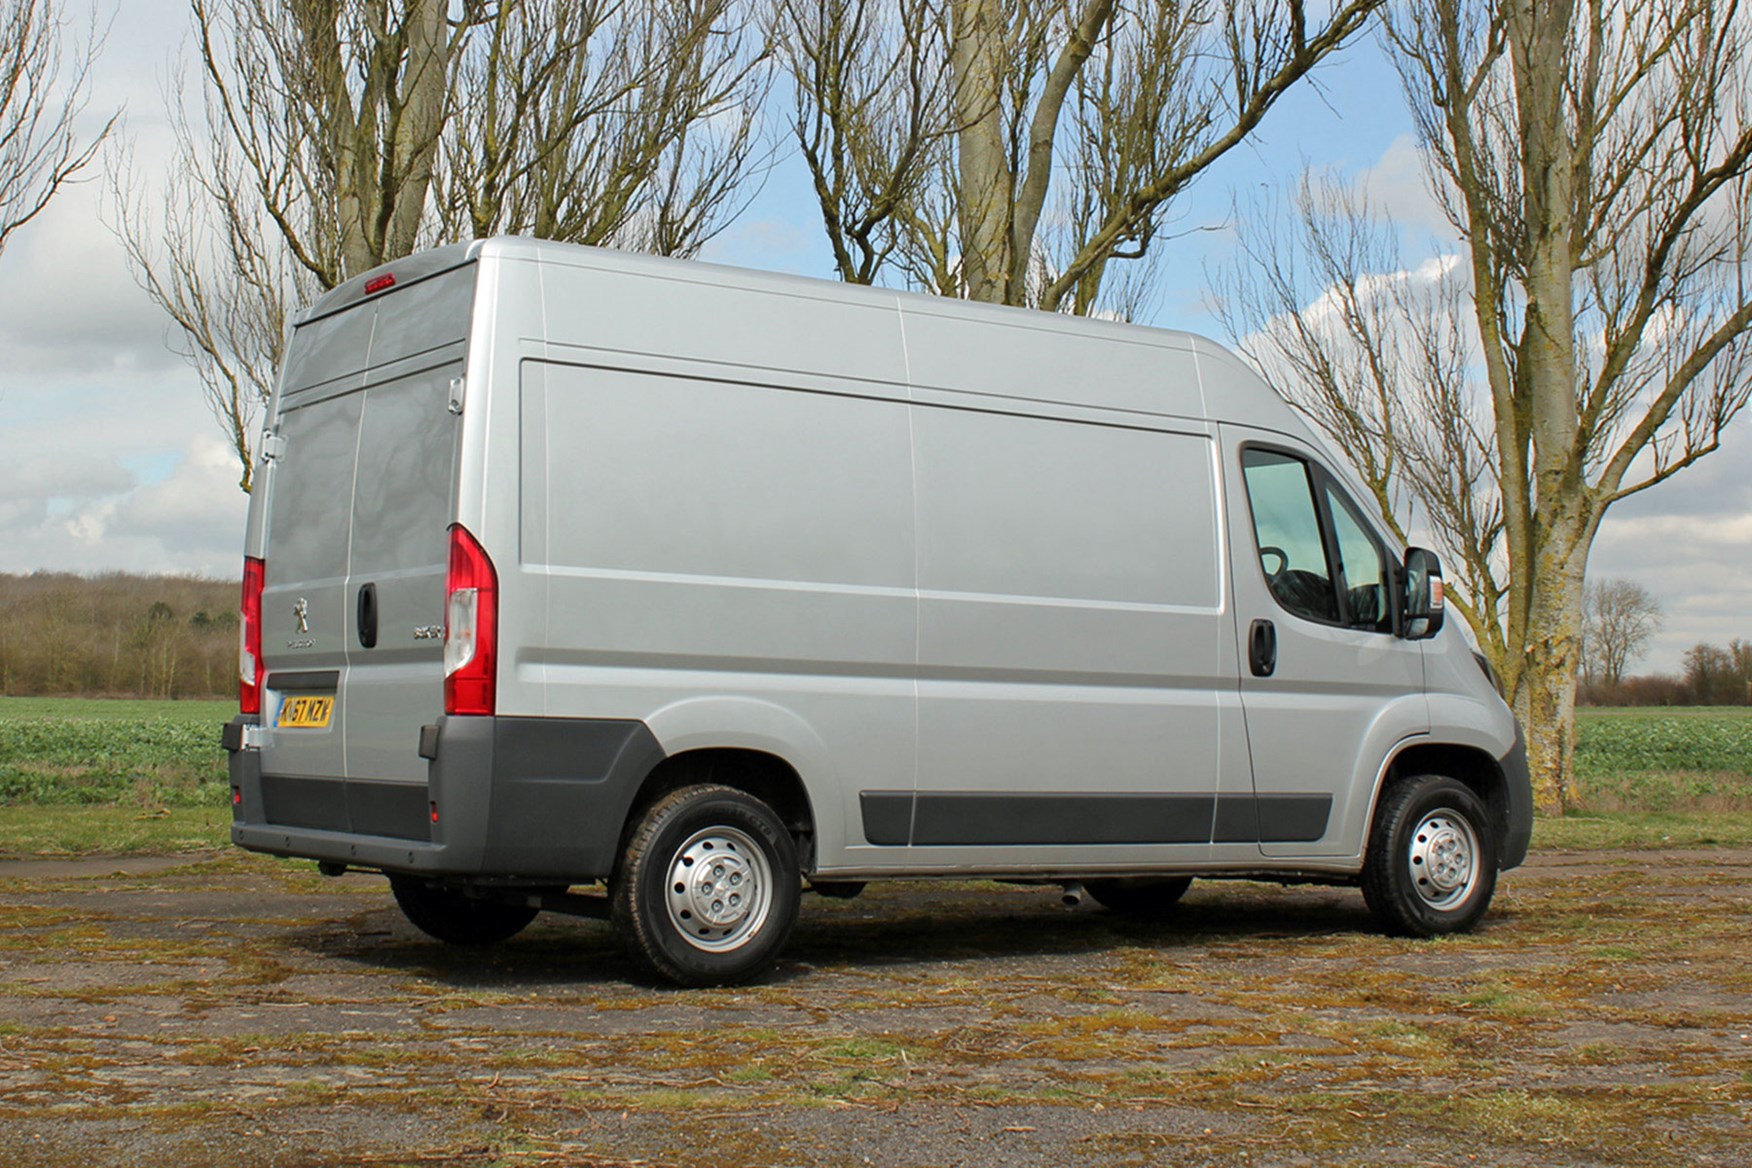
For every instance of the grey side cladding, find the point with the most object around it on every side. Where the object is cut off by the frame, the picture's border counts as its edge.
(1271, 819)
(944, 819)
(887, 816)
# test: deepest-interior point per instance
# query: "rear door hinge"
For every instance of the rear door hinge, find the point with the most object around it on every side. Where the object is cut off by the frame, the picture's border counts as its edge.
(273, 445)
(458, 386)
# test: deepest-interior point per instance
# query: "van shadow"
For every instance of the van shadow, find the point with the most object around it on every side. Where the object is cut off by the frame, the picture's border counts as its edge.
(1028, 924)
(913, 924)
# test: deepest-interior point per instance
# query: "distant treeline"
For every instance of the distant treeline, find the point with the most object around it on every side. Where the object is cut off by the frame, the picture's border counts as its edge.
(1711, 676)
(117, 635)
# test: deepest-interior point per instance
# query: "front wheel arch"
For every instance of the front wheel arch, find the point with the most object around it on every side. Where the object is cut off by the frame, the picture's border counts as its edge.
(1474, 768)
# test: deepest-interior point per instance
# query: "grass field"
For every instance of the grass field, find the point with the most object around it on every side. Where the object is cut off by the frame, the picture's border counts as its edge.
(139, 754)
(88, 776)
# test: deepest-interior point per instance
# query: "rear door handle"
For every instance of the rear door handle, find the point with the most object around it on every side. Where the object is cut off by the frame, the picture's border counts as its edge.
(368, 616)
(1262, 648)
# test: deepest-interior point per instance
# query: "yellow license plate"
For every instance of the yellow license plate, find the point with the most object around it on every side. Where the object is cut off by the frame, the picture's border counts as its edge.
(306, 713)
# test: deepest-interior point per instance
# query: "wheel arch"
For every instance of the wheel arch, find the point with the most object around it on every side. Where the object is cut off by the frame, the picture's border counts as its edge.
(759, 773)
(1470, 765)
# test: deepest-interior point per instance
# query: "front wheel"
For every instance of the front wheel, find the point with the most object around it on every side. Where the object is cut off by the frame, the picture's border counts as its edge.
(707, 888)
(1432, 862)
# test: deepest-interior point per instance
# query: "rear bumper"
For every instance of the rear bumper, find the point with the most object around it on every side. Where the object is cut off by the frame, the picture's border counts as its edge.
(540, 799)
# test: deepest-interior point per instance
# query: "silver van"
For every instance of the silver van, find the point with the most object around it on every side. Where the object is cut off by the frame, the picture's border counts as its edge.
(652, 590)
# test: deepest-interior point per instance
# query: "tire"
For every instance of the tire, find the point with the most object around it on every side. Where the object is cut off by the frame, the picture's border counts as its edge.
(837, 889)
(700, 925)
(1139, 896)
(1431, 868)
(456, 918)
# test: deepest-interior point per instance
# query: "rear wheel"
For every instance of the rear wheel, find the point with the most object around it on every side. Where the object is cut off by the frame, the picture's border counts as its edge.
(1141, 896)
(707, 888)
(1432, 862)
(837, 889)
(457, 918)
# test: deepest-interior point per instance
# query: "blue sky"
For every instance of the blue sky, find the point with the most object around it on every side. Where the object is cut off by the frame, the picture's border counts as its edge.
(109, 459)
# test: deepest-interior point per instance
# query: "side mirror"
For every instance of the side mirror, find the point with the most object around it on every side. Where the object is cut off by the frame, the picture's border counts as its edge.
(1424, 600)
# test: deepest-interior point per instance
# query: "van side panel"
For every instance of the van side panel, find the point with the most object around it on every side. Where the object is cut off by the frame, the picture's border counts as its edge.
(733, 553)
(701, 315)
(1050, 360)
(1071, 623)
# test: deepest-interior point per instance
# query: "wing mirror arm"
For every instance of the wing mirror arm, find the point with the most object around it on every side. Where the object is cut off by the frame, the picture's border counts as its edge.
(1423, 600)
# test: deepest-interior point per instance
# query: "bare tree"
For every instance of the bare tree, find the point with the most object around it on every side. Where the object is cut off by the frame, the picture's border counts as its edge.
(936, 130)
(330, 137)
(630, 123)
(43, 89)
(1594, 160)
(872, 120)
(1618, 618)
(1379, 355)
(1719, 677)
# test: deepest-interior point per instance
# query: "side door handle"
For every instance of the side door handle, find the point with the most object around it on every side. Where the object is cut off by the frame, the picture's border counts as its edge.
(368, 616)
(1262, 648)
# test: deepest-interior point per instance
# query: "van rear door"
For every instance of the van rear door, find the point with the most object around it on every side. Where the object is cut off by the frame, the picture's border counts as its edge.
(360, 495)
(398, 556)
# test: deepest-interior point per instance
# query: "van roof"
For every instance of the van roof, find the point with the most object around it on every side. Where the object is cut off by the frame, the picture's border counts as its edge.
(407, 270)
(435, 261)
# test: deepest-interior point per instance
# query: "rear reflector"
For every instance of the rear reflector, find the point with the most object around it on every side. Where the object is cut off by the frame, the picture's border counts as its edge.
(249, 637)
(471, 627)
(379, 283)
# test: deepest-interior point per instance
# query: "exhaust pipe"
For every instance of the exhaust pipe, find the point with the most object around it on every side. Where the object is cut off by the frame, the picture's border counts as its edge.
(1072, 895)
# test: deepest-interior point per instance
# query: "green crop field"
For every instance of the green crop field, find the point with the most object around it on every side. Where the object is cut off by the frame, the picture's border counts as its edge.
(123, 753)
(1697, 759)
(92, 775)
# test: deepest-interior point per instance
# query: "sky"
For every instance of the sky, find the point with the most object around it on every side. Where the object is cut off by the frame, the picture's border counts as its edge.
(110, 460)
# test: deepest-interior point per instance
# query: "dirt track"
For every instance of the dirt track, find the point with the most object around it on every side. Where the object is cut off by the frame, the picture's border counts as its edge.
(243, 1012)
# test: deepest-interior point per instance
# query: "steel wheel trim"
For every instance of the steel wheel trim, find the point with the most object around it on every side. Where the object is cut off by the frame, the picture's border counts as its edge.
(1444, 859)
(720, 889)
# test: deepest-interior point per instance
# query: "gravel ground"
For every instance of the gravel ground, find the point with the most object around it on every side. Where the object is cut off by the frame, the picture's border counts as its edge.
(237, 1011)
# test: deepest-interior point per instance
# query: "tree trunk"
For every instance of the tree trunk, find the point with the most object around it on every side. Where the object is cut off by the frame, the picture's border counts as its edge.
(1545, 694)
(977, 72)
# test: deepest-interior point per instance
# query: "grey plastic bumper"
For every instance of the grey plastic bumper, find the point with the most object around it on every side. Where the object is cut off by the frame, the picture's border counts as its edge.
(541, 799)
(1518, 831)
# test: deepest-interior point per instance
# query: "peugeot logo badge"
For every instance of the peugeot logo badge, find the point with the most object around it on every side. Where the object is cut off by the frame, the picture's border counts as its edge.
(301, 611)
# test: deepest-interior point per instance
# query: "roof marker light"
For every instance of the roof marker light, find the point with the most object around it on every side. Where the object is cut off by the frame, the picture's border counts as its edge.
(379, 283)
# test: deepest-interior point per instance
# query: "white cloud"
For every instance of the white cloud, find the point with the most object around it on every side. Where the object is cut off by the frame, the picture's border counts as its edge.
(1399, 189)
(1688, 541)
(189, 521)
(67, 303)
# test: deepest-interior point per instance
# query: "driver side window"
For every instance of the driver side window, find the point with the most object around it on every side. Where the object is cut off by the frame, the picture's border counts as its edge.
(1286, 524)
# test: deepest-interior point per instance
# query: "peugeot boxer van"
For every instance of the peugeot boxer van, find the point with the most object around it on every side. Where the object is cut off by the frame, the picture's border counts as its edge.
(663, 592)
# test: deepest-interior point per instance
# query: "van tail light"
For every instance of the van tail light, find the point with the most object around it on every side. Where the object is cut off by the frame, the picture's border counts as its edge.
(471, 627)
(249, 637)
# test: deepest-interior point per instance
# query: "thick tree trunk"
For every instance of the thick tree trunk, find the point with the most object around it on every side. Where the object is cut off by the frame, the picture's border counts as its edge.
(1545, 695)
(1546, 701)
(986, 180)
